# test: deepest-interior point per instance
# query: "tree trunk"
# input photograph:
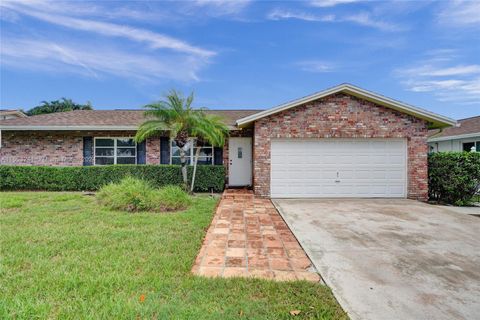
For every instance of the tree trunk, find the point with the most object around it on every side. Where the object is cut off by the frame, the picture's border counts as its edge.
(197, 154)
(184, 168)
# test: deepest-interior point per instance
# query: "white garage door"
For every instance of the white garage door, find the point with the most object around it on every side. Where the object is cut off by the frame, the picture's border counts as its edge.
(338, 168)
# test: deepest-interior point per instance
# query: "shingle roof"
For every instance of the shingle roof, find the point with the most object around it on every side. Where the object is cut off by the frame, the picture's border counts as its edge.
(434, 120)
(466, 126)
(106, 118)
(7, 112)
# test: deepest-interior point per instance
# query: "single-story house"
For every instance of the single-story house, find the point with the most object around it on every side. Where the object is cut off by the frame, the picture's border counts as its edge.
(6, 114)
(465, 136)
(341, 142)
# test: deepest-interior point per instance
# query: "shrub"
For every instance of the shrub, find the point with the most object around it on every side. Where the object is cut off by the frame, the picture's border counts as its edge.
(93, 177)
(453, 177)
(171, 198)
(132, 194)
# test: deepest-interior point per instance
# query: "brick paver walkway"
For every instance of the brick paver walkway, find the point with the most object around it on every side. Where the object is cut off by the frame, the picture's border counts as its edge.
(248, 238)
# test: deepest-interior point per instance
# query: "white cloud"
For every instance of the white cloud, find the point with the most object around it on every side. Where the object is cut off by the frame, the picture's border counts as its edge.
(459, 70)
(316, 66)
(153, 39)
(366, 20)
(95, 61)
(330, 3)
(444, 78)
(363, 19)
(280, 14)
(145, 55)
(460, 13)
(222, 7)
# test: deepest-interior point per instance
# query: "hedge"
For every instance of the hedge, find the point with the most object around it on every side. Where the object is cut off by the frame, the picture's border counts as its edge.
(91, 178)
(453, 177)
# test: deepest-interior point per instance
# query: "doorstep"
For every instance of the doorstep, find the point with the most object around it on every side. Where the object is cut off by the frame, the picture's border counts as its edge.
(248, 238)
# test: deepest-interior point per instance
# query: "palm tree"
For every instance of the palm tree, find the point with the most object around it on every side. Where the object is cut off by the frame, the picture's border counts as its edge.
(211, 130)
(176, 116)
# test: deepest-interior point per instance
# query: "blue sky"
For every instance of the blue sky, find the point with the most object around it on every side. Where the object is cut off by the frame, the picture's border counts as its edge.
(240, 54)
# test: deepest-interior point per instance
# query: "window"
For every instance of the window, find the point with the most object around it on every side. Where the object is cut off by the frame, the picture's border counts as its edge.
(205, 156)
(115, 151)
(467, 146)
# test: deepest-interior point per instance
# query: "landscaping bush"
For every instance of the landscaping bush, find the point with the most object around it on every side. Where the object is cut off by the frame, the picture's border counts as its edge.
(93, 177)
(132, 194)
(453, 177)
(171, 198)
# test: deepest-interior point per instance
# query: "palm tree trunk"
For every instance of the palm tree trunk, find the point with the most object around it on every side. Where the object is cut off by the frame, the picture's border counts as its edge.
(183, 162)
(197, 154)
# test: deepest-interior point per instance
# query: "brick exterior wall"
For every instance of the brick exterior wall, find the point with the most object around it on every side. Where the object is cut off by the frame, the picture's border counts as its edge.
(153, 150)
(343, 116)
(336, 116)
(59, 148)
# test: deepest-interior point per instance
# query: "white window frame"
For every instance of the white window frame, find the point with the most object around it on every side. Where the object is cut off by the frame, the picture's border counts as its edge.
(114, 149)
(192, 152)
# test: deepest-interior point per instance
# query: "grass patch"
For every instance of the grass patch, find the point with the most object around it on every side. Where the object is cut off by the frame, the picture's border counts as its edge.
(133, 194)
(63, 256)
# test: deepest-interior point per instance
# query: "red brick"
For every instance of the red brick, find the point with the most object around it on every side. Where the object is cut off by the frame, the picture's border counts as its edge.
(342, 116)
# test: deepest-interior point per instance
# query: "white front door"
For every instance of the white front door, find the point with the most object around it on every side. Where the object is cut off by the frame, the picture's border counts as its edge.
(360, 168)
(240, 162)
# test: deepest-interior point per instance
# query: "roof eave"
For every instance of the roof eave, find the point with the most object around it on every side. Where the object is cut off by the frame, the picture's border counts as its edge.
(436, 121)
(455, 137)
(65, 128)
(76, 128)
(18, 113)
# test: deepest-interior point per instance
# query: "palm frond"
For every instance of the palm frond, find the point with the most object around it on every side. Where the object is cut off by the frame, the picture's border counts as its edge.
(175, 114)
(150, 128)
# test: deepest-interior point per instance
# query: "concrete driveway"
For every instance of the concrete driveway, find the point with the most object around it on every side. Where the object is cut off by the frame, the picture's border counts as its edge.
(391, 259)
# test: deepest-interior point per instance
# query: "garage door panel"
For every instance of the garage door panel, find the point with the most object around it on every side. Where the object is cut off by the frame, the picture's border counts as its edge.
(338, 168)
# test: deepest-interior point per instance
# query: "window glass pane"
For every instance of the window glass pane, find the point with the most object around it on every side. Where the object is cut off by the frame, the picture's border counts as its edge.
(204, 160)
(104, 142)
(129, 160)
(187, 147)
(176, 160)
(126, 152)
(125, 142)
(478, 146)
(176, 152)
(468, 146)
(204, 144)
(104, 152)
(101, 160)
(205, 151)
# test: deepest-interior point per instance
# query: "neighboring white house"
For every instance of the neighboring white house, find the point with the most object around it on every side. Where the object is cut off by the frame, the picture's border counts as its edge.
(11, 114)
(463, 137)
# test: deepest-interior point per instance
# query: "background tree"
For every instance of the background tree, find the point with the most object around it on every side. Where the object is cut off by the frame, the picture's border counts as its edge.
(61, 105)
(176, 116)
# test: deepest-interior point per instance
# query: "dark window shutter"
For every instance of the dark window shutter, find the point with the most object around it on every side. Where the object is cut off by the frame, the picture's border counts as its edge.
(164, 150)
(141, 152)
(218, 155)
(87, 151)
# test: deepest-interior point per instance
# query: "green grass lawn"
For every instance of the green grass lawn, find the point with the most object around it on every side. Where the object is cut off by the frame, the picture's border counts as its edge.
(63, 256)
